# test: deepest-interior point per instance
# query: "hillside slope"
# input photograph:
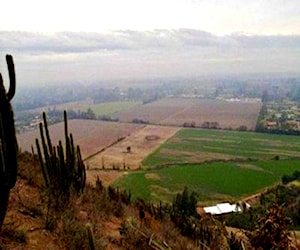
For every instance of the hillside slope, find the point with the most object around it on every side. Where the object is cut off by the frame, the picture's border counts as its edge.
(116, 223)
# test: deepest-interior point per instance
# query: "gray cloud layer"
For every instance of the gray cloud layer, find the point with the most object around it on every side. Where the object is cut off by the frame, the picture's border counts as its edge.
(92, 56)
(66, 42)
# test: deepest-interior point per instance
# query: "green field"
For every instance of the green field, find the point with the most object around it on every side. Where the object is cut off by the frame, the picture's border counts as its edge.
(108, 108)
(216, 181)
(192, 145)
(219, 165)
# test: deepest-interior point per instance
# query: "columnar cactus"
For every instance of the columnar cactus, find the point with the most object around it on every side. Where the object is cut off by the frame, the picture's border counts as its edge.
(62, 171)
(8, 141)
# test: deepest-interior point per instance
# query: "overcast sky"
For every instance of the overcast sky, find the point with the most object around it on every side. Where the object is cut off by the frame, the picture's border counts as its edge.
(216, 16)
(91, 40)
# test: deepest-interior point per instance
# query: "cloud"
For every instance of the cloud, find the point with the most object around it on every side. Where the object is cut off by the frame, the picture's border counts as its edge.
(70, 42)
(68, 56)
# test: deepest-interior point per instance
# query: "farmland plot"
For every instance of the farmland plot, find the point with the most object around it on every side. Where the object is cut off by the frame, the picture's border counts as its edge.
(219, 165)
(213, 182)
(90, 135)
(199, 145)
(156, 112)
(112, 107)
(129, 153)
(99, 109)
(226, 114)
(177, 111)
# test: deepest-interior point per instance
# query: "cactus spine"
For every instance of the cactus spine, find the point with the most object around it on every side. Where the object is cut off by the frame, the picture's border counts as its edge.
(8, 141)
(62, 170)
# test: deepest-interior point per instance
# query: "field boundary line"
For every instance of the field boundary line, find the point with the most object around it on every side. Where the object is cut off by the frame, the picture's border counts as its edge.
(177, 113)
(103, 149)
(233, 160)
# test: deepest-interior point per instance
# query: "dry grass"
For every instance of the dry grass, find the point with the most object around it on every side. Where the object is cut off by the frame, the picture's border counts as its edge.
(106, 176)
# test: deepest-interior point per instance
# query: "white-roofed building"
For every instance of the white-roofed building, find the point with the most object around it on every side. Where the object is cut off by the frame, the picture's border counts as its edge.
(212, 210)
(222, 208)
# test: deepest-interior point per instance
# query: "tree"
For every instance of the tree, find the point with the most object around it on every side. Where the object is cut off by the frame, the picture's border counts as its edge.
(185, 203)
(90, 114)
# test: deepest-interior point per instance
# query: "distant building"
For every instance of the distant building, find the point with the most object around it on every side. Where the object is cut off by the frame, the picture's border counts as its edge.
(271, 124)
(35, 122)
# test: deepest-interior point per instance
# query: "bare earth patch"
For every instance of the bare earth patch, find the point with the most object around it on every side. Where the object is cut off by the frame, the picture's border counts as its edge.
(118, 157)
(251, 167)
(152, 176)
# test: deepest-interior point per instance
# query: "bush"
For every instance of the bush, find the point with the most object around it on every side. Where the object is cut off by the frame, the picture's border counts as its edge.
(289, 178)
(240, 220)
(73, 234)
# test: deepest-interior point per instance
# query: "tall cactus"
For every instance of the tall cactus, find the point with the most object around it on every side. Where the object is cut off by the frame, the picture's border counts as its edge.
(8, 141)
(62, 170)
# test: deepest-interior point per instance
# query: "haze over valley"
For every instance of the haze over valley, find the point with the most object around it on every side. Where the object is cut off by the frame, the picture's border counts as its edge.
(150, 124)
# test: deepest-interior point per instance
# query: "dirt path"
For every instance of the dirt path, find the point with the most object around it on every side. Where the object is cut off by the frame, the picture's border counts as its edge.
(176, 114)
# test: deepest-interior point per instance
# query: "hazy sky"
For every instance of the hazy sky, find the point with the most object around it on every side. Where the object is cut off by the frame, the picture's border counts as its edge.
(90, 40)
(216, 16)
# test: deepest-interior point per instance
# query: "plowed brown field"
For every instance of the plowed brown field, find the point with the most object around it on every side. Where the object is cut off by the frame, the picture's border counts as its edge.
(91, 136)
(177, 111)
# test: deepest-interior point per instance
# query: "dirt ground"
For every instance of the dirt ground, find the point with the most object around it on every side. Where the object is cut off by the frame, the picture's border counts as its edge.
(141, 143)
(90, 135)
